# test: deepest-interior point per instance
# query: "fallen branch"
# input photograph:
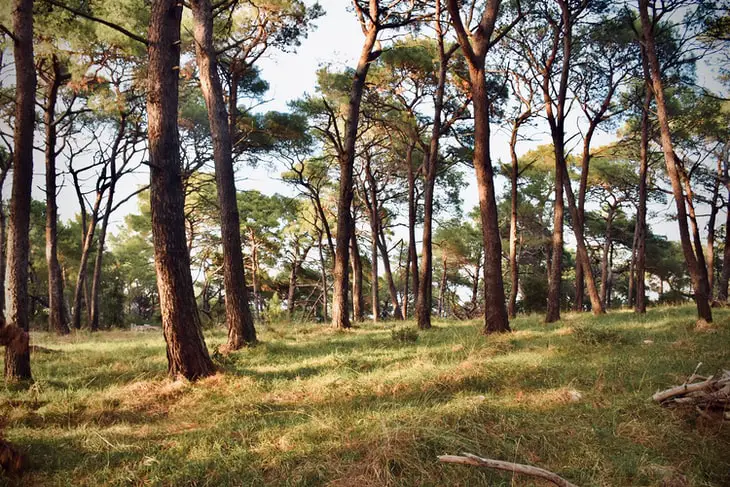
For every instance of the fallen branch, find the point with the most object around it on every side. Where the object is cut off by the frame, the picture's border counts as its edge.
(712, 392)
(469, 459)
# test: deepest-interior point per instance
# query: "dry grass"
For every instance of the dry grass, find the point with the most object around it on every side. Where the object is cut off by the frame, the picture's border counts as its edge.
(311, 406)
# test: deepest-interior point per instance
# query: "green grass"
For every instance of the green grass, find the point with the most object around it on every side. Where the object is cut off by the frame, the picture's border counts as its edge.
(312, 406)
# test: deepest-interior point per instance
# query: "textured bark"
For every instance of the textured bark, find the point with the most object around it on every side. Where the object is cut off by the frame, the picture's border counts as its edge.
(442, 289)
(514, 195)
(241, 329)
(475, 47)
(340, 315)
(374, 279)
(607, 245)
(98, 263)
(56, 316)
(555, 271)
(699, 284)
(323, 270)
(187, 354)
(17, 359)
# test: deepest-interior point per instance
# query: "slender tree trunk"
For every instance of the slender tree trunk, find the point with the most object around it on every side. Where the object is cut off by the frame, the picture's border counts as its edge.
(3, 247)
(641, 227)
(323, 269)
(292, 286)
(711, 230)
(96, 278)
(187, 354)
(699, 284)
(357, 298)
(412, 252)
(17, 359)
(608, 234)
(406, 282)
(255, 277)
(340, 317)
(513, 264)
(442, 288)
(722, 290)
(56, 316)
(374, 283)
(388, 273)
(475, 283)
(241, 329)
(83, 263)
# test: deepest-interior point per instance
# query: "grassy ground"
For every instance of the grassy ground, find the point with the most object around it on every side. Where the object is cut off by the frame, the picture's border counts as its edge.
(311, 406)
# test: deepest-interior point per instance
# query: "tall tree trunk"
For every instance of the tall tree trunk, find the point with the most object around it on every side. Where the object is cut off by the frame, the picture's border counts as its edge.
(495, 311)
(56, 316)
(292, 288)
(241, 329)
(17, 359)
(406, 283)
(711, 230)
(357, 298)
(475, 283)
(605, 266)
(187, 354)
(641, 227)
(255, 277)
(83, 263)
(323, 269)
(699, 283)
(513, 264)
(722, 289)
(412, 252)
(388, 273)
(556, 265)
(442, 288)
(374, 291)
(96, 278)
(3, 249)
(340, 317)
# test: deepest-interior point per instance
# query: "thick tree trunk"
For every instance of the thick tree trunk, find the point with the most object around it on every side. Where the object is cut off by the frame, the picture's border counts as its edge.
(555, 271)
(495, 311)
(699, 284)
(56, 316)
(17, 359)
(241, 329)
(358, 308)
(187, 354)
(340, 316)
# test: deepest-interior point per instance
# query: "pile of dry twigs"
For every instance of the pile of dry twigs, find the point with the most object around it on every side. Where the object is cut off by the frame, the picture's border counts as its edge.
(710, 396)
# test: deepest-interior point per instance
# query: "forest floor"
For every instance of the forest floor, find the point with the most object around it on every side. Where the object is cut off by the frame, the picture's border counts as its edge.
(313, 406)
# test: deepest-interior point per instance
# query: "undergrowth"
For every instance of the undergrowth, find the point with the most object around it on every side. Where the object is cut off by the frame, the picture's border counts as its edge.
(312, 406)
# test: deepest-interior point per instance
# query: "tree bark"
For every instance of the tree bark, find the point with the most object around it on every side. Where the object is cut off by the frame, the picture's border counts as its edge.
(711, 230)
(323, 269)
(187, 354)
(412, 252)
(514, 195)
(56, 316)
(374, 279)
(340, 315)
(699, 284)
(442, 289)
(17, 359)
(241, 329)
(98, 263)
(605, 267)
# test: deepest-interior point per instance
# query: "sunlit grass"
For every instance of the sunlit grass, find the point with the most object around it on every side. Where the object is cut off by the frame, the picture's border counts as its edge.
(313, 406)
